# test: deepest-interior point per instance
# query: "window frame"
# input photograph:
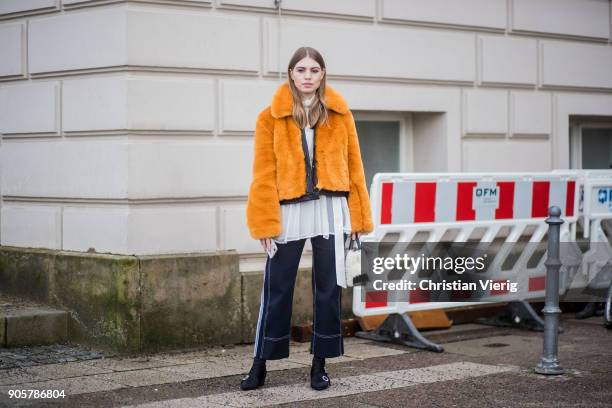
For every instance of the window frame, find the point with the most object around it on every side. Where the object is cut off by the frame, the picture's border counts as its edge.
(406, 147)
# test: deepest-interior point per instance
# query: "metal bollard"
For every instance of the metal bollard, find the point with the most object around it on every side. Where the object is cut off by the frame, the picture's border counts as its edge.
(549, 364)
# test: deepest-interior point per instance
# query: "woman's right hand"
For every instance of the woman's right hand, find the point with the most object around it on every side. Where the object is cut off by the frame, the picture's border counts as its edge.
(266, 243)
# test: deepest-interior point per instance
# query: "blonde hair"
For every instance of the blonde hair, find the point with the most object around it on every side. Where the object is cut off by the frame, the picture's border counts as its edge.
(318, 109)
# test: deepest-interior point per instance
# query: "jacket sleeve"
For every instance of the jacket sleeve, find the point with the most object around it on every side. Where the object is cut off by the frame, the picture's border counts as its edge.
(263, 207)
(359, 199)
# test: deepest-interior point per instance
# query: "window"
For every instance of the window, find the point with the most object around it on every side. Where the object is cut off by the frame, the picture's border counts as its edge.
(379, 142)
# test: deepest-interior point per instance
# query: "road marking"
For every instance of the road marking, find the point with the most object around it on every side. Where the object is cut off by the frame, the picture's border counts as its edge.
(340, 386)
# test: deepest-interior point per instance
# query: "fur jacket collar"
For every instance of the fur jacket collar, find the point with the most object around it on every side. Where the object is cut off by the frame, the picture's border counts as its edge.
(282, 102)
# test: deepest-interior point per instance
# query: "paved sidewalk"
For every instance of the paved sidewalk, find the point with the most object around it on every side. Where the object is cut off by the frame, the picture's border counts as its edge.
(21, 357)
(485, 366)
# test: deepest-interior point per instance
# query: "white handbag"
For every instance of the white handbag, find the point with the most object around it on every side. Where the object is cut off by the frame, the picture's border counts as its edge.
(352, 263)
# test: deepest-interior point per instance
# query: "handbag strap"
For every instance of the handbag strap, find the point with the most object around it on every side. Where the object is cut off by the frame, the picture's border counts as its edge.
(358, 243)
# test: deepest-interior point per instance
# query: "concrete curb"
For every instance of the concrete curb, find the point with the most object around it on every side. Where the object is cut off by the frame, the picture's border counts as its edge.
(33, 326)
(132, 303)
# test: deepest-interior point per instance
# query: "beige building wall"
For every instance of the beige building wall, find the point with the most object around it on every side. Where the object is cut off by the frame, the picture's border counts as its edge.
(127, 126)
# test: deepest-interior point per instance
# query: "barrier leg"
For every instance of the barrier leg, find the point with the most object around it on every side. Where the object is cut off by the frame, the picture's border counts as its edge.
(398, 328)
(519, 314)
(591, 309)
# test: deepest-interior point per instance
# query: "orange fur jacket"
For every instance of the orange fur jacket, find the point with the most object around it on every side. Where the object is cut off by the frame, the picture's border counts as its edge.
(279, 169)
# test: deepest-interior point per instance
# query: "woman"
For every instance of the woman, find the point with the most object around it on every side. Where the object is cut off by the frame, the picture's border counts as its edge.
(308, 182)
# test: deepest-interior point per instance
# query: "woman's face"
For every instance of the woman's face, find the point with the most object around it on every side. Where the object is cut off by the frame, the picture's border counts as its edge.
(307, 75)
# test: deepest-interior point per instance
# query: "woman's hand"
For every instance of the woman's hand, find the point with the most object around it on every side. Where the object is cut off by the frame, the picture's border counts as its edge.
(266, 243)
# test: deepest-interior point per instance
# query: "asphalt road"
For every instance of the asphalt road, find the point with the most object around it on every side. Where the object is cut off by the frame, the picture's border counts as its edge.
(490, 367)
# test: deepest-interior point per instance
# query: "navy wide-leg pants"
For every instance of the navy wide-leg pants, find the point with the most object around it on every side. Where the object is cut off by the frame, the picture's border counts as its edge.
(274, 321)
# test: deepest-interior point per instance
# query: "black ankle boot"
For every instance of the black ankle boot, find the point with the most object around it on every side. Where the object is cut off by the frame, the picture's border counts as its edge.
(318, 377)
(256, 376)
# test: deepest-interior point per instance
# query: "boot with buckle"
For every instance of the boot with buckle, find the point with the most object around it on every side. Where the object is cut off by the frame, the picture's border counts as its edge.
(319, 380)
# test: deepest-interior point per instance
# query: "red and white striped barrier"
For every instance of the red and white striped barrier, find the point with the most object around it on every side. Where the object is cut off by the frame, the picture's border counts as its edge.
(469, 199)
(423, 207)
